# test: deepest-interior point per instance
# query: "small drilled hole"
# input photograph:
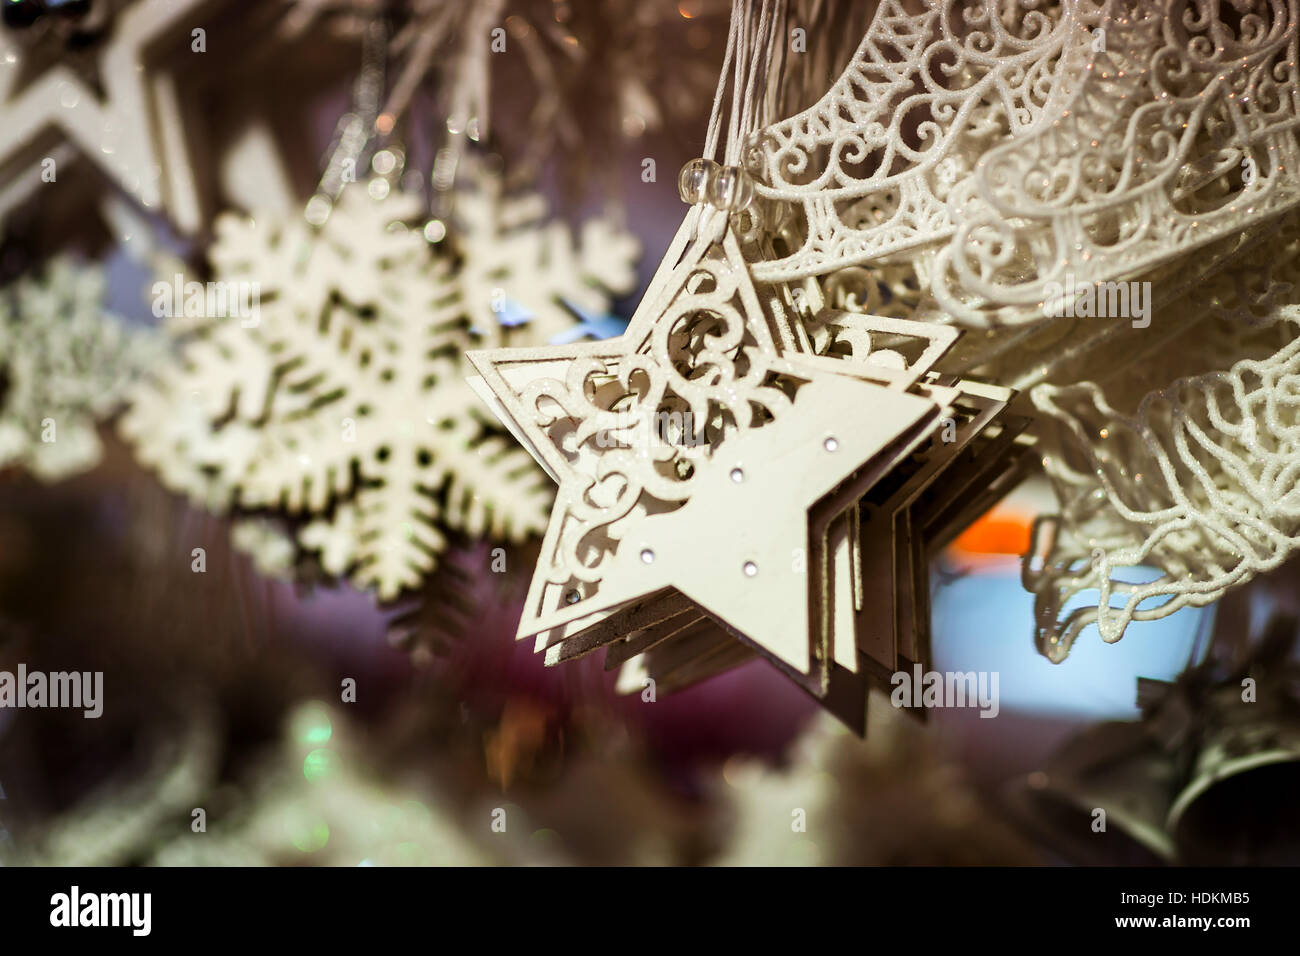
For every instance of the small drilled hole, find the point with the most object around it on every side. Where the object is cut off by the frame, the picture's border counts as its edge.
(647, 556)
(737, 475)
(750, 569)
(831, 444)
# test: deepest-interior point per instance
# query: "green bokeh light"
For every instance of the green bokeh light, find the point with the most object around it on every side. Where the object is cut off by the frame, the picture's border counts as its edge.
(312, 726)
(319, 764)
(312, 836)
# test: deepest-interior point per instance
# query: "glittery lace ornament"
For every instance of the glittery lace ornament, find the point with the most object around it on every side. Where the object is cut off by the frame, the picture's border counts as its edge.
(977, 159)
(1008, 151)
(873, 168)
(1179, 130)
(1198, 480)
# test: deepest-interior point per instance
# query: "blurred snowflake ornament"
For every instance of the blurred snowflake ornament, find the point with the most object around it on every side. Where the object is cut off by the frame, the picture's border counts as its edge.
(64, 363)
(339, 401)
(519, 268)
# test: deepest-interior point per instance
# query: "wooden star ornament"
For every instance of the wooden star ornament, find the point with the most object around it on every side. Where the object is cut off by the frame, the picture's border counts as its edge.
(711, 467)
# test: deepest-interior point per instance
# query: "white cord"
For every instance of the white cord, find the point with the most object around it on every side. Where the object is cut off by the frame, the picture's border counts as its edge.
(746, 68)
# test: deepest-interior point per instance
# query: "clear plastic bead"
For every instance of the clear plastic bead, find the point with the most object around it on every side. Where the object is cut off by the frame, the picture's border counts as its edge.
(694, 180)
(732, 189)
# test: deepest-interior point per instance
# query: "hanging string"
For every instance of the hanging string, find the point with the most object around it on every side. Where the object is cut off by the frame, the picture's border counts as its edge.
(747, 69)
(715, 115)
(431, 35)
(374, 118)
(773, 69)
(750, 119)
(355, 129)
(467, 115)
(737, 82)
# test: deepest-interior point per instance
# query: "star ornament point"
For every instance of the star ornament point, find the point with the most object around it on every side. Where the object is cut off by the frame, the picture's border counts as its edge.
(132, 132)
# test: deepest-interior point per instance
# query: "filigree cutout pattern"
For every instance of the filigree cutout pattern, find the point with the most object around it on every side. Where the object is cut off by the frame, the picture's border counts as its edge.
(875, 166)
(629, 424)
(1004, 150)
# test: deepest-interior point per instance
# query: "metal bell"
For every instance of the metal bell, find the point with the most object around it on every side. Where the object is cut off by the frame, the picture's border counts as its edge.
(1103, 798)
(1239, 804)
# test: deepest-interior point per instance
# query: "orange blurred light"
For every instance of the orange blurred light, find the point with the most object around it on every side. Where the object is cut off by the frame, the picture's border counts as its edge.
(995, 533)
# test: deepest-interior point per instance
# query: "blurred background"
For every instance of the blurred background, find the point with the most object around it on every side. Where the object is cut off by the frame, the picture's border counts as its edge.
(224, 690)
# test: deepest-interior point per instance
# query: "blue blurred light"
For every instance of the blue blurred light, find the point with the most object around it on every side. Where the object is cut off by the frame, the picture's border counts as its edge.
(590, 327)
(511, 314)
(984, 622)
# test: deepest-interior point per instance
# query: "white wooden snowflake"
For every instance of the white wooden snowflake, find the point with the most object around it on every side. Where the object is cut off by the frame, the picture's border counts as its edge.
(64, 363)
(340, 401)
